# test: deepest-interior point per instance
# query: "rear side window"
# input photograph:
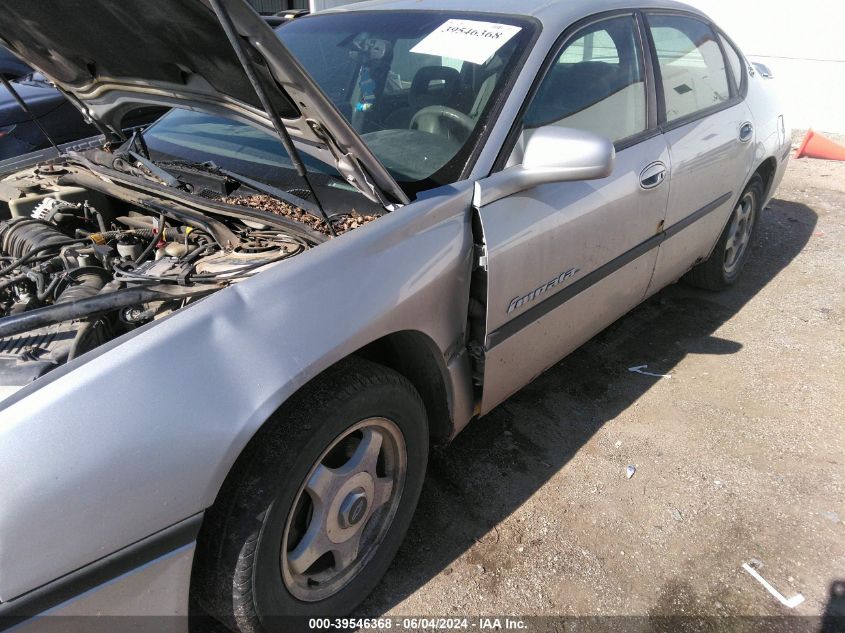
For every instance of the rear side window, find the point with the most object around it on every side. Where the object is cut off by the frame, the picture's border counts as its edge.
(595, 46)
(596, 83)
(692, 67)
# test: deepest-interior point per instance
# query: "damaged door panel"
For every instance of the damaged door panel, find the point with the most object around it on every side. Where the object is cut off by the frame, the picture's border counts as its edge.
(564, 260)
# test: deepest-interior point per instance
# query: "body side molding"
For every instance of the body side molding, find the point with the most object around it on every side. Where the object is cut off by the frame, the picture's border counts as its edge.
(99, 572)
(556, 300)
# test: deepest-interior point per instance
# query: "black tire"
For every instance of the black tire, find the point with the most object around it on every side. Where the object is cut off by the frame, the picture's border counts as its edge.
(238, 575)
(719, 271)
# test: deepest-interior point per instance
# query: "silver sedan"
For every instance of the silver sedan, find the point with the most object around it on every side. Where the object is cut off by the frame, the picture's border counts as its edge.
(228, 340)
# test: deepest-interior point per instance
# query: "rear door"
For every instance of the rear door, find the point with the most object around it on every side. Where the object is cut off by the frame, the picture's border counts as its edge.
(709, 133)
(564, 260)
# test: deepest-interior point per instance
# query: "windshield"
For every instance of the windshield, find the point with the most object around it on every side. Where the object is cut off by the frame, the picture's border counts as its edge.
(418, 86)
(418, 80)
(197, 138)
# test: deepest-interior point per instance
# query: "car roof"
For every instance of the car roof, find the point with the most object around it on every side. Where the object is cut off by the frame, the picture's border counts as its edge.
(553, 14)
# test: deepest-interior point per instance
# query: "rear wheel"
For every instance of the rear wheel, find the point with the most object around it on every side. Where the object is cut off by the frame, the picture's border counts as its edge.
(317, 507)
(724, 266)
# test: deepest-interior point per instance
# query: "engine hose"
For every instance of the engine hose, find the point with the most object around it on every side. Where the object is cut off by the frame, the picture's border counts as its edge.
(42, 294)
(153, 242)
(90, 307)
(86, 283)
(18, 237)
(137, 222)
(105, 236)
(34, 253)
(219, 231)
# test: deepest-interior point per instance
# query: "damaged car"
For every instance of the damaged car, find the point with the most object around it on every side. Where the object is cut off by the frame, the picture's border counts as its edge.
(227, 341)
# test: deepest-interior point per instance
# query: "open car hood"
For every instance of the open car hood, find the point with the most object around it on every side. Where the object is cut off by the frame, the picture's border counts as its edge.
(110, 56)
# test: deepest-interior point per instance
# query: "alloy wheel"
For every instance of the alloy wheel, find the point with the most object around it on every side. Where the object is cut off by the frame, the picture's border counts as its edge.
(739, 235)
(343, 509)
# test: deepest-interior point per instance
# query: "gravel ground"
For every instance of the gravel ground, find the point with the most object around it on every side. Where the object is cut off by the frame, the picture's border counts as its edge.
(738, 456)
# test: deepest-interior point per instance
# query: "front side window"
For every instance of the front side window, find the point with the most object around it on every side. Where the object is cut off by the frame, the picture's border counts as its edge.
(596, 83)
(692, 67)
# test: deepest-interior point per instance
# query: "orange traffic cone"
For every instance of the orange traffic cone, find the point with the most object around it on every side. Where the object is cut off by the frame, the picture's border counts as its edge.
(817, 146)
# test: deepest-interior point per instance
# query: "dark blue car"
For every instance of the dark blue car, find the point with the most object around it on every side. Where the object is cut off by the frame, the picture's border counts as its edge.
(11, 67)
(19, 134)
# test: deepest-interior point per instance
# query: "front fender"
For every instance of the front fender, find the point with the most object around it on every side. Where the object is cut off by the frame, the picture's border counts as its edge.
(140, 434)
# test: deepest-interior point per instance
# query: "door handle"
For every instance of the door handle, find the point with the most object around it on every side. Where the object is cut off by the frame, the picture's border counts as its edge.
(746, 132)
(653, 175)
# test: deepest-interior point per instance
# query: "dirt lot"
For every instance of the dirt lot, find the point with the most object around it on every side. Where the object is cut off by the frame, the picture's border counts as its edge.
(739, 455)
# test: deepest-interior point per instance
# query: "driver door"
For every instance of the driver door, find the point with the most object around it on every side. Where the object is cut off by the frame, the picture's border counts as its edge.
(566, 259)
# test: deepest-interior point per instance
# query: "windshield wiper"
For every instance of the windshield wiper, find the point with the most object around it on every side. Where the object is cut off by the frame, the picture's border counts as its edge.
(212, 168)
(151, 168)
(140, 163)
(159, 167)
(100, 158)
(137, 139)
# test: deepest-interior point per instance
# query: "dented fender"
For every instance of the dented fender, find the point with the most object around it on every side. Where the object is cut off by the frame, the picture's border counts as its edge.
(145, 429)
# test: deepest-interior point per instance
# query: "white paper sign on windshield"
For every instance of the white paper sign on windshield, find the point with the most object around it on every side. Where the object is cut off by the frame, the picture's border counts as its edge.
(468, 40)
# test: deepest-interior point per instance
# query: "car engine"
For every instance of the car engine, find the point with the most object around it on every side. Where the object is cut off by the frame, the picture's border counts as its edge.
(74, 275)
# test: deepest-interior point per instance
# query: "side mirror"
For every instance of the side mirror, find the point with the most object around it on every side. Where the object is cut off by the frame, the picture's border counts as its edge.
(552, 154)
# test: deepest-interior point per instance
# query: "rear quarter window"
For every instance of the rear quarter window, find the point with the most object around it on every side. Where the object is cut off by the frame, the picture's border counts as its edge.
(735, 63)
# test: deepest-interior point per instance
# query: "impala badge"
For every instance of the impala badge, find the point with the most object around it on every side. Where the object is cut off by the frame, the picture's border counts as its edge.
(519, 302)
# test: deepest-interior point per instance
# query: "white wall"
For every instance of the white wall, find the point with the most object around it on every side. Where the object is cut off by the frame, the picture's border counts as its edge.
(322, 5)
(803, 42)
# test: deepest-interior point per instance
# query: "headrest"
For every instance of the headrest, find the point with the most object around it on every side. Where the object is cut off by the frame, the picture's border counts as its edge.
(421, 94)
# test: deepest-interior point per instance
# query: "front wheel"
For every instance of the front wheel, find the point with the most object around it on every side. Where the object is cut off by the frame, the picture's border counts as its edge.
(316, 508)
(724, 266)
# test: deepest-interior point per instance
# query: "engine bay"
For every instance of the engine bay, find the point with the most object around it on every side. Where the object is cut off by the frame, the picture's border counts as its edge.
(81, 265)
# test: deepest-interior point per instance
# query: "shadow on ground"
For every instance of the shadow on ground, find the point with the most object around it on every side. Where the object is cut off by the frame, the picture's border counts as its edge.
(500, 461)
(833, 619)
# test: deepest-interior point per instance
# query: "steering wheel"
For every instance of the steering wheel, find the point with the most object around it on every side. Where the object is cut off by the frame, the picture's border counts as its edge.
(440, 120)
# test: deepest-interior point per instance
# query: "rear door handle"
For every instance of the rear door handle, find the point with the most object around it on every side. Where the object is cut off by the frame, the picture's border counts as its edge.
(746, 132)
(653, 175)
